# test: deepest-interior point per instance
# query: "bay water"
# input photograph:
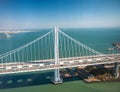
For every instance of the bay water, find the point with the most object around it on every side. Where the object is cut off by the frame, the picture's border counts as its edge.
(99, 39)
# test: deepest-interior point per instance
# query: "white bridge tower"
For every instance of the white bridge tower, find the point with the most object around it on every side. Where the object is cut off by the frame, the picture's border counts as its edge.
(56, 79)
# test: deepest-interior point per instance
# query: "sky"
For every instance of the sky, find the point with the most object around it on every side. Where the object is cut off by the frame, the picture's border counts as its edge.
(22, 14)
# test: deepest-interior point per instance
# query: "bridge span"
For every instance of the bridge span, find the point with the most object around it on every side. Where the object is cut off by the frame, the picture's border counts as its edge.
(53, 51)
(20, 67)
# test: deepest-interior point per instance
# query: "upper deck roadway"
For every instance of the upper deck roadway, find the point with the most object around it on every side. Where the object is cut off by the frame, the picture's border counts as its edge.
(19, 67)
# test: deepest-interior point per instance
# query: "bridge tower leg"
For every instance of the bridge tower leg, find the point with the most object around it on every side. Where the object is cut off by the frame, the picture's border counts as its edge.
(116, 70)
(56, 79)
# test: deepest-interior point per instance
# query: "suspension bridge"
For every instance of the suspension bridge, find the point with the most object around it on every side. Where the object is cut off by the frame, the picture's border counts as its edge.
(53, 51)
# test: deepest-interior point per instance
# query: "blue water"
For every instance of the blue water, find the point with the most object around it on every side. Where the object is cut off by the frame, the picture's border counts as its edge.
(99, 39)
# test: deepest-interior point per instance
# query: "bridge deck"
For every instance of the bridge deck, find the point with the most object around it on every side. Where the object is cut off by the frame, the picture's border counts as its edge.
(7, 68)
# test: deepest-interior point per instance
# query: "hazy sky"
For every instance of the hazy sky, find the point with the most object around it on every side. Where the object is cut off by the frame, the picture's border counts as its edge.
(63, 13)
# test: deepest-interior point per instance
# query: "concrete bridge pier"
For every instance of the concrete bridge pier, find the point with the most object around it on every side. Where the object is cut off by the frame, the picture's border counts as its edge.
(116, 70)
(57, 79)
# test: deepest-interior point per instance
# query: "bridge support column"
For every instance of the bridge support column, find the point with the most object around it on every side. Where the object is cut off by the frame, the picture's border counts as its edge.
(116, 70)
(56, 79)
